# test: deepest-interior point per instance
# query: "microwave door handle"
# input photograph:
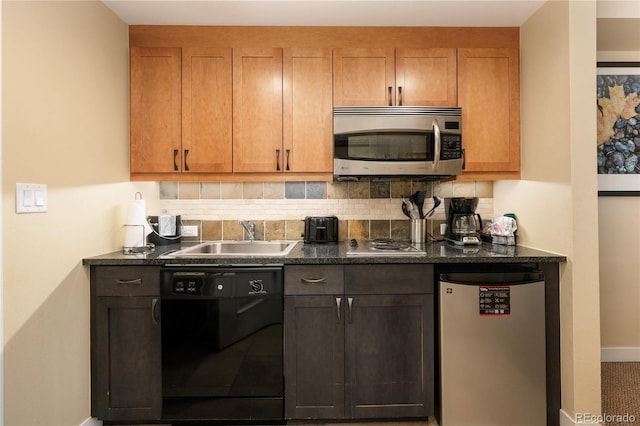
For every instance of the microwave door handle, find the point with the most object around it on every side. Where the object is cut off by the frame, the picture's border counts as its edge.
(437, 143)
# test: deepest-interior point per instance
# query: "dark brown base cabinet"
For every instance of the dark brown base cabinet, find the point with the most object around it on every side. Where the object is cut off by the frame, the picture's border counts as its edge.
(126, 381)
(359, 341)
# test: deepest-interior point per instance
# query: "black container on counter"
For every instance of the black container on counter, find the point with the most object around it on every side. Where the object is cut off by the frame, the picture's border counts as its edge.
(160, 240)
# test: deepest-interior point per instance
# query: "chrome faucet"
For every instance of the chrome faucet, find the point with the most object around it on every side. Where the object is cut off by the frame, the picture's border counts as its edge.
(250, 227)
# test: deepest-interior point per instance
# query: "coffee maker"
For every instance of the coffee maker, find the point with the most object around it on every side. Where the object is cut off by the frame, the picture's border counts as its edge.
(463, 224)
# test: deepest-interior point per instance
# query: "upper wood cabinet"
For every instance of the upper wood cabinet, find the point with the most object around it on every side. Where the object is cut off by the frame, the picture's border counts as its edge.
(282, 110)
(257, 110)
(206, 110)
(155, 109)
(489, 94)
(386, 77)
(180, 110)
(308, 110)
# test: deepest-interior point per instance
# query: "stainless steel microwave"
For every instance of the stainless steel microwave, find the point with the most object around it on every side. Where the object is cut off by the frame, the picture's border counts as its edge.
(417, 142)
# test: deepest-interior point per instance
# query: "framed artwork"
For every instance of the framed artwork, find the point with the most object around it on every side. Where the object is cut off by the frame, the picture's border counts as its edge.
(618, 117)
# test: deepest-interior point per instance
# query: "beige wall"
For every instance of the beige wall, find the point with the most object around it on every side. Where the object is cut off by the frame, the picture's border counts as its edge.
(65, 124)
(556, 199)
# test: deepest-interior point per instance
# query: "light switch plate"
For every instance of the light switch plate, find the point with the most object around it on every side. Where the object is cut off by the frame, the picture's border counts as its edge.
(31, 198)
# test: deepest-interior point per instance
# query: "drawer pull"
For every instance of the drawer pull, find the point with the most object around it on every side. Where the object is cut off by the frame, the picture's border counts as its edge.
(154, 316)
(136, 281)
(314, 280)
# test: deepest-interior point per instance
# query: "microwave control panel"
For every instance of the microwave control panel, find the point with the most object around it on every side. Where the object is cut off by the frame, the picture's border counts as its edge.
(451, 147)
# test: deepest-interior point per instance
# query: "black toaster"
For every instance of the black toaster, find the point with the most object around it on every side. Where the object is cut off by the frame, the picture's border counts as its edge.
(320, 229)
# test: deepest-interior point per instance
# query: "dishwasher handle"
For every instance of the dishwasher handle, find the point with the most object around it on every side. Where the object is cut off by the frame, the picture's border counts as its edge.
(489, 278)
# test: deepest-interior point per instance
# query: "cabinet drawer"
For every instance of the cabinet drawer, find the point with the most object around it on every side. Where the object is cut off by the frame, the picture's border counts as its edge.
(126, 280)
(313, 279)
(389, 279)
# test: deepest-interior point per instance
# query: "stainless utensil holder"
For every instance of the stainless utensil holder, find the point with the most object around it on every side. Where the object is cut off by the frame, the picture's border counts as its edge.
(418, 230)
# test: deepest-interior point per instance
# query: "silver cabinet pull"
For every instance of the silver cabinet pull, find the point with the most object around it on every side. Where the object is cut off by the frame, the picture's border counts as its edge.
(314, 280)
(350, 303)
(277, 160)
(437, 142)
(136, 281)
(338, 306)
(390, 96)
(154, 317)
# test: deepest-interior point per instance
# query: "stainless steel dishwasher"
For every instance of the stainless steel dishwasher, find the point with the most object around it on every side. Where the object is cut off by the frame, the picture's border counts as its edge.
(492, 347)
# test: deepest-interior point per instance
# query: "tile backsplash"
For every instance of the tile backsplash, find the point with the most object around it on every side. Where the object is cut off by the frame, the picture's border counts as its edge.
(365, 209)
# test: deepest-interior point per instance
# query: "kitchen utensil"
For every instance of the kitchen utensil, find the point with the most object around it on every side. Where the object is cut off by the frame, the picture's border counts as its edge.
(405, 210)
(418, 199)
(412, 209)
(436, 203)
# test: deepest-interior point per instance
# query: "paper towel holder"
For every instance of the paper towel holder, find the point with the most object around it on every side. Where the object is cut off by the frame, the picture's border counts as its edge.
(133, 228)
(145, 248)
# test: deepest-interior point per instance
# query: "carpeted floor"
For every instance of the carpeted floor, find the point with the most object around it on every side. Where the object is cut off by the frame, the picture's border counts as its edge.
(621, 393)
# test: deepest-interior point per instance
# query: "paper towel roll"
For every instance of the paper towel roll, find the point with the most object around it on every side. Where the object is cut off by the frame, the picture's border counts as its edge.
(136, 227)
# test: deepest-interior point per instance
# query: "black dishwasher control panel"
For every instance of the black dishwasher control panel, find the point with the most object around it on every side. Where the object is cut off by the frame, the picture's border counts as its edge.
(221, 282)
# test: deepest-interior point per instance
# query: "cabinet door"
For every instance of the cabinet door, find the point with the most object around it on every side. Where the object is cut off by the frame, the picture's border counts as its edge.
(257, 110)
(426, 77)
(155, 110)
(126, 363)
(206, 110)
(489, 94)
(314, 357)
(364, 77)
(308, 110)
(389, 356)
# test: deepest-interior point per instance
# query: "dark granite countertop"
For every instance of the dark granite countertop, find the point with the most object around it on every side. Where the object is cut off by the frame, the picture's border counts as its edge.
(335, 253)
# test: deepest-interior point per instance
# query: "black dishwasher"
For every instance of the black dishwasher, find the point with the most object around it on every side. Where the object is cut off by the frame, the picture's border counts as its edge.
(222, 356)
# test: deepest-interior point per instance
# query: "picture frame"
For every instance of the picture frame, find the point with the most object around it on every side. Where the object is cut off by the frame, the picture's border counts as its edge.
(618, 140)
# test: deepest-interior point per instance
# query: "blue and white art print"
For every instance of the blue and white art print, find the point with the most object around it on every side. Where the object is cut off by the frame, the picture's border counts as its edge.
(618, 118)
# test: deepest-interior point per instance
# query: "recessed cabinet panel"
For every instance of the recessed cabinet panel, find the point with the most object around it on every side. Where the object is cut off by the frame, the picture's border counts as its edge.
(488, 91)
(308, 110)
(126, 382)
(206, 110)
(364, 77)
(155, 109)
(257, 110)
(314, 357)
(426, 77)
(389, 366)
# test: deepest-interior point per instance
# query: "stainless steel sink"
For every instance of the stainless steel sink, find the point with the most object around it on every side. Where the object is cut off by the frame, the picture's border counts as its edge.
(237, 249)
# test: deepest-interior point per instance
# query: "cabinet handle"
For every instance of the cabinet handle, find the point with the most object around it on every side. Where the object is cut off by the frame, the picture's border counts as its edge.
(437, 143)
(277, 160)
(338, 305)
(175, 159)
(350, 303)
(390, 96)
(288, 151)
(314, 280)
(399, 95)
(154, 305)
(464, 160)
(186, 166)
(137, 281)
